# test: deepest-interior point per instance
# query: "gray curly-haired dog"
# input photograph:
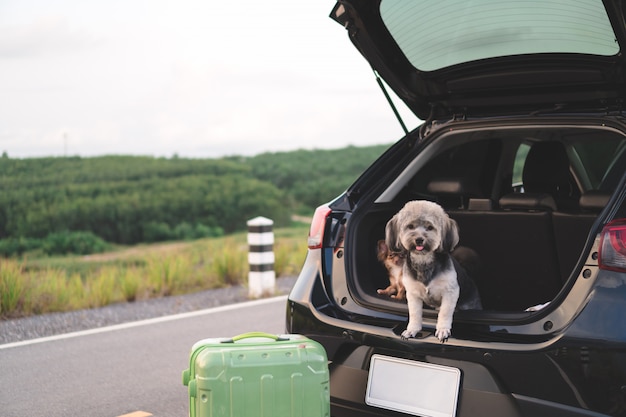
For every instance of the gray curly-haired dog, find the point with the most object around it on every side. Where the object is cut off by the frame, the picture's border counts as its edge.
(425, 236)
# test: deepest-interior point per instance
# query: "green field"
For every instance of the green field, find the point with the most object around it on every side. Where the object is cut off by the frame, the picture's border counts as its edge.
(80, 233)
(54, 284)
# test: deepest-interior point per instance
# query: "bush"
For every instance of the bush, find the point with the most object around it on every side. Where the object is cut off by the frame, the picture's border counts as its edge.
(61, 243)
(185, 231)
(77, 243)
(18, 246)
(161, 231)
(157, 232)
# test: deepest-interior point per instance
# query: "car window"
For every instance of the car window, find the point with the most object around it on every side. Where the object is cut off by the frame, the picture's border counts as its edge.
(600, 159)
(598, 163)
(438, 34)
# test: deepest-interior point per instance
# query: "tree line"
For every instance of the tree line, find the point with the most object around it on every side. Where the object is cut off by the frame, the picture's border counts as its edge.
(134, 199)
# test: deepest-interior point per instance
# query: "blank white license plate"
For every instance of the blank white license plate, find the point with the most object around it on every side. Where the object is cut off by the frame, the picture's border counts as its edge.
(418, 388)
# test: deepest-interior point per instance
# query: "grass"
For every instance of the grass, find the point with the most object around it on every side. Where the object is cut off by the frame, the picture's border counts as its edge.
(42, 285)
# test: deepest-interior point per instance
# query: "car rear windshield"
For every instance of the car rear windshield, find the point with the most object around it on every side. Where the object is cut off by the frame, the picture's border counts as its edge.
(438, 34)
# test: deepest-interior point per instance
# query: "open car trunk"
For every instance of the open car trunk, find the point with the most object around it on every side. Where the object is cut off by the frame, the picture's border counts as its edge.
(526, 199)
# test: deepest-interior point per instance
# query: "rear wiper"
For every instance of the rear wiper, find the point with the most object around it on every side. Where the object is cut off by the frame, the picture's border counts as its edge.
(393, 106)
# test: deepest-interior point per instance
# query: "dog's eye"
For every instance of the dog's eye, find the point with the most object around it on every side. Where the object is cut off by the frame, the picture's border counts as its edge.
(430, 227)
(410, 226)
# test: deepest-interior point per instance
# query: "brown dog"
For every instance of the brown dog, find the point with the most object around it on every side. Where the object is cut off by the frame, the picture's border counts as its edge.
(394, 263)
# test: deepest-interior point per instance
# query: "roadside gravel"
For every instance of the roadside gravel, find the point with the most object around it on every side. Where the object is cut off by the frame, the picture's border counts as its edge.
(27, 328)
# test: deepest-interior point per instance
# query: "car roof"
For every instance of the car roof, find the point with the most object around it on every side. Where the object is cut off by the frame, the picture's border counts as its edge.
(486, 57)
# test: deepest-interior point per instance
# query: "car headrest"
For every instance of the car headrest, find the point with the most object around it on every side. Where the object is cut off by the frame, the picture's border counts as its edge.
(546, 170)
(527, 202)
(456, 186)
(594, 200)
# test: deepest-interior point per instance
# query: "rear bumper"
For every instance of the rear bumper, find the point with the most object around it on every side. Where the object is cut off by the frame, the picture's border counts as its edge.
(484, 390)
(546, 378)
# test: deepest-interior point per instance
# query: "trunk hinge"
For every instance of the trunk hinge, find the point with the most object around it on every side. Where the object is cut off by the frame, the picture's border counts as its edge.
(425, 127)
(459, 116)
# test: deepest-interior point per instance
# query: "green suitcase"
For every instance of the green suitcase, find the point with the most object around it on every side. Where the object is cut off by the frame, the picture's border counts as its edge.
(258, 374)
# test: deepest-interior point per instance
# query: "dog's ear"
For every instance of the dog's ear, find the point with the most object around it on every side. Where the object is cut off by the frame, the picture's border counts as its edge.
(450, 235)
(382, 250)
(392, 238)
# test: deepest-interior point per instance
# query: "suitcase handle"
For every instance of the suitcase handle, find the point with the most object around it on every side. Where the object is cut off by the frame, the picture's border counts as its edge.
(255, 334)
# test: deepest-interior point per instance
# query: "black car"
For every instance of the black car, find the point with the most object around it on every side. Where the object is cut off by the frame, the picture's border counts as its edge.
(524, 145)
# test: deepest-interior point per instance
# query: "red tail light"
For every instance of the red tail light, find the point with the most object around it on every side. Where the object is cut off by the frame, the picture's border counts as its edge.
(318, 224)
(613, 246)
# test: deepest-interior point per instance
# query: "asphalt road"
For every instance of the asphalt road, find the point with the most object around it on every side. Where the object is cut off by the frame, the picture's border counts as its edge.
(129, 369)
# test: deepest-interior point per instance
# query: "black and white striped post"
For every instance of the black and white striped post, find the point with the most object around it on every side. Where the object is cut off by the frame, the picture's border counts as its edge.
(261, 278)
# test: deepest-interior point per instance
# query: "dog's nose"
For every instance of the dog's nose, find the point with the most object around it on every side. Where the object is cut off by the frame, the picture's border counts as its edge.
(419, 241)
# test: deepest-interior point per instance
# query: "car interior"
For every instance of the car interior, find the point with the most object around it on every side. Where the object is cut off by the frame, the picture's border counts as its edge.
(525, 202)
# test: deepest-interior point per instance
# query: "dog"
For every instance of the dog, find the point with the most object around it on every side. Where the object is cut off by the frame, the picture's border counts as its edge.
(393, 262)
(424, 236)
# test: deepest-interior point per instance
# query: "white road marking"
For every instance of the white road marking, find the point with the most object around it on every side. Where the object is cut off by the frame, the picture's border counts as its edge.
(146, 322)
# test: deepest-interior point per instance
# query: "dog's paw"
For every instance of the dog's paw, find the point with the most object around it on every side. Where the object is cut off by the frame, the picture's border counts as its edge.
(442, 334)
(409, 333)
(406, 335)
(389, 291)
(401, 295)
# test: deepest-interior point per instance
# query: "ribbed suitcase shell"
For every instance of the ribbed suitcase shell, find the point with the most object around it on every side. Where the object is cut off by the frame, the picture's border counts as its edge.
(258, 374)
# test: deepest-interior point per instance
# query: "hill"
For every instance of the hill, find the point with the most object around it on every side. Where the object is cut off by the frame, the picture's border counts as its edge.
(134, 199)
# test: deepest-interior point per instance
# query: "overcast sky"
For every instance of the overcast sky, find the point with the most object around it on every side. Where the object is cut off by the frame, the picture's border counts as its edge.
(197, 78)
